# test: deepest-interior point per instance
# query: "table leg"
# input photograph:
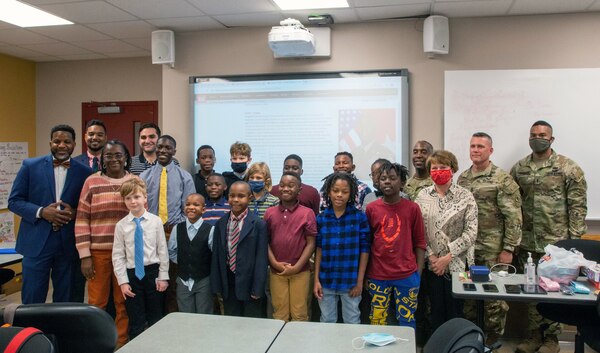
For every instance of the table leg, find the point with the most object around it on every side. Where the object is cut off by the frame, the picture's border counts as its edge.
(480, 322)
(578, 343)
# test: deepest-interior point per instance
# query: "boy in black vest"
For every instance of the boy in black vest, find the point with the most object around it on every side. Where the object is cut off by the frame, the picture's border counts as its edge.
(190, 247)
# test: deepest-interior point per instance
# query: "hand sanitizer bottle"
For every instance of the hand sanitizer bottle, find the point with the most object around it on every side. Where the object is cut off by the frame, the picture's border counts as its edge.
(530, 277)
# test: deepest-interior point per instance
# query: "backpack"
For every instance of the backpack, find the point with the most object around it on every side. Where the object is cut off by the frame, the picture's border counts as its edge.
(456, 336)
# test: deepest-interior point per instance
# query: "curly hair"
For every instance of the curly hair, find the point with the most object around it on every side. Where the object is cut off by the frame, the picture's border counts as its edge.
(332, 178)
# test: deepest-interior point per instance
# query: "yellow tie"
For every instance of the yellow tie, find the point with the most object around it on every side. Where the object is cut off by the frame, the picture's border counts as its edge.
(163, 212)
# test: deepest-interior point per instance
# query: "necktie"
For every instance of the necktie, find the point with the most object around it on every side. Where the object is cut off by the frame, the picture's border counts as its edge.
(234, 238)
(95, 164)
(65, 164)
(163, 212)
(139, 249)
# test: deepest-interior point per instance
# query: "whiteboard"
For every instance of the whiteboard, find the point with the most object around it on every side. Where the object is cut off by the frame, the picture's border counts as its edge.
(505, 103)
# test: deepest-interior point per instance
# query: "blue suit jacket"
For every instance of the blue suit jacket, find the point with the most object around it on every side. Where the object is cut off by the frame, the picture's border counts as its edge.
(34, 188)
(251, 259)
(83, 159)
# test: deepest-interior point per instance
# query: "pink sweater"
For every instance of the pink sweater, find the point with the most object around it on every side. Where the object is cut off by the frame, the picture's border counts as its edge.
(100, 208)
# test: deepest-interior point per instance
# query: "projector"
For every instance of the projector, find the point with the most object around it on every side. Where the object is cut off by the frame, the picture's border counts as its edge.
(291, 39)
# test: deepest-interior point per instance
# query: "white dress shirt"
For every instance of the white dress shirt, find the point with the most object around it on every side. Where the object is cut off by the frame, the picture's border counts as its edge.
(155, 246)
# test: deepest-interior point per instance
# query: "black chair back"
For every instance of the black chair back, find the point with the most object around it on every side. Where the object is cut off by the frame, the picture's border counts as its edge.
(456, 336)
(76, 327)
(589, 248)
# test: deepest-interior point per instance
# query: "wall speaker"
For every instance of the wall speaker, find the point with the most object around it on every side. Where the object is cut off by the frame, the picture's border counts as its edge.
(163, 47)
(436, 35)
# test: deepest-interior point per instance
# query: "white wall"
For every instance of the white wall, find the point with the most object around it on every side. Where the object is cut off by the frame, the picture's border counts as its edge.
(519, 42)
(61, 87)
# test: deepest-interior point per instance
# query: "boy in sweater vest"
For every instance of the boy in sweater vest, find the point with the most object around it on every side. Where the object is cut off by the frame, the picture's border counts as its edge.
(190, 248)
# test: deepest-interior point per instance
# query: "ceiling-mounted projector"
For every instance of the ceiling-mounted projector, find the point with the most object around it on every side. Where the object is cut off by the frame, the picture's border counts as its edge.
(291, 39)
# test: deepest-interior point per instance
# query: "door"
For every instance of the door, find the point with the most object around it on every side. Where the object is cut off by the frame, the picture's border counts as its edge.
(122, 120)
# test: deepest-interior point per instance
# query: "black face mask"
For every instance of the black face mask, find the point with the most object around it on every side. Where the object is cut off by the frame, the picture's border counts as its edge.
(239, 167)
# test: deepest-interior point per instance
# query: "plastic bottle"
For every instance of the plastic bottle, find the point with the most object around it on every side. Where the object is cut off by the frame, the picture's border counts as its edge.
(530, 276)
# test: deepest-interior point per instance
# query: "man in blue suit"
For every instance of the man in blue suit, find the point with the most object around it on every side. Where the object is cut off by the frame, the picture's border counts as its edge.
(95, 139)
(45, 194)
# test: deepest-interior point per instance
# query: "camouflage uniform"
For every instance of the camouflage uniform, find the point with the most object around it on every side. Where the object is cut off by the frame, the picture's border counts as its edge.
(499, 228)
(554, 208)
(414, 185)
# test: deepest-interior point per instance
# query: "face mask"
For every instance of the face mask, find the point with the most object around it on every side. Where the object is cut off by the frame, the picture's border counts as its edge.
(239, 167)
(441, 177)
(377, 339)
(256, 186)
(539, 145)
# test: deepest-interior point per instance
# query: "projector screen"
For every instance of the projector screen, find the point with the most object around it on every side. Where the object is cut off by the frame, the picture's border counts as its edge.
(312, 115)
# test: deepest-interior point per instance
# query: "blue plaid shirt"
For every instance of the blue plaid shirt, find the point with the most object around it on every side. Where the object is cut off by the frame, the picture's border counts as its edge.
(341, 241)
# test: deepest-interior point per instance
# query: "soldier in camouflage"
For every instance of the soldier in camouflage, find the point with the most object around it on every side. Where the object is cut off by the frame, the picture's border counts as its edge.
(421, 178)
(499, 223)
(553, 189)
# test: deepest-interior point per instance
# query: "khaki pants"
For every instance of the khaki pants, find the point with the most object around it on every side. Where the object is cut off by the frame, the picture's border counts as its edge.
(99, 290)
(289, 296)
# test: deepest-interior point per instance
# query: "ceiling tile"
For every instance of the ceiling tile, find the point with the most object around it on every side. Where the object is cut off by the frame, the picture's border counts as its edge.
(131, 54)
(88, 12)
(90, 56)
(46, 2)
(20, 36)
(371, 3)
(106, 46)
(251, 19)
(472, 8)
(142, 43)
(43, 58)
(187, 24)
(150, 9)
(128, 29)
(18, 51)
(386, 12)
(56, 49)
(230, 7)
(525, 7)
(339, 15)
(75, 33)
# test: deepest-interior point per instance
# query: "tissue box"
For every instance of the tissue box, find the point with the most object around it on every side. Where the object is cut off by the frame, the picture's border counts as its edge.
(593, 275)
(479, 273)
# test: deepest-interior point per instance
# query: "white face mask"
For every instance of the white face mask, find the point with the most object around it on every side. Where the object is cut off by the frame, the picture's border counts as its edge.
(377, 339)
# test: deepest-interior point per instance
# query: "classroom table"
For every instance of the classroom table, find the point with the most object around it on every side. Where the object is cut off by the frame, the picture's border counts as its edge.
(551, 297)
(184, 333)
(9, 259)
(301, 337)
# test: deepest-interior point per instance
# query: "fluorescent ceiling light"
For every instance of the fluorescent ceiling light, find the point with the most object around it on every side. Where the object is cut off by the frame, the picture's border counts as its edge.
(310, 4)
(23, 15)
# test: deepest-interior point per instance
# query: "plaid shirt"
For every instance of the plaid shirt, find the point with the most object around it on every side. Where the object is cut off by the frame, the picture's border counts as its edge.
(341, 241)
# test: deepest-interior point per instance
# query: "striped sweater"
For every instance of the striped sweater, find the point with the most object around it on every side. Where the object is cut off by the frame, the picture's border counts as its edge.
(100, 208)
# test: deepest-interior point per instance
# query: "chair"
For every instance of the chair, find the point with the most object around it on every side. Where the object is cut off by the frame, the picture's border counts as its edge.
(583, 316)
(456, 336)
(75, 327)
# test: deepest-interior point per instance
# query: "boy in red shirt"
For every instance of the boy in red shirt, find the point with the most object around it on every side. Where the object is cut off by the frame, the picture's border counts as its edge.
(397, 249)
(292, 229)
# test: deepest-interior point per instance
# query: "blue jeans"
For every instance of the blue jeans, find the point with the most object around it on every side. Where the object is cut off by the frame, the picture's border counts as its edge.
(329, 305)
(404, 291)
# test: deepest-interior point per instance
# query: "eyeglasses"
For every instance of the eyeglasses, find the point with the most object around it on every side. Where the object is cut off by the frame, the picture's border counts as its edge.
(110, 157)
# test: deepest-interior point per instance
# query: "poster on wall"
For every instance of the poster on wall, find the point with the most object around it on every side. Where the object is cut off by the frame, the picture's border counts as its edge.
(7, 233)
(12, 155)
